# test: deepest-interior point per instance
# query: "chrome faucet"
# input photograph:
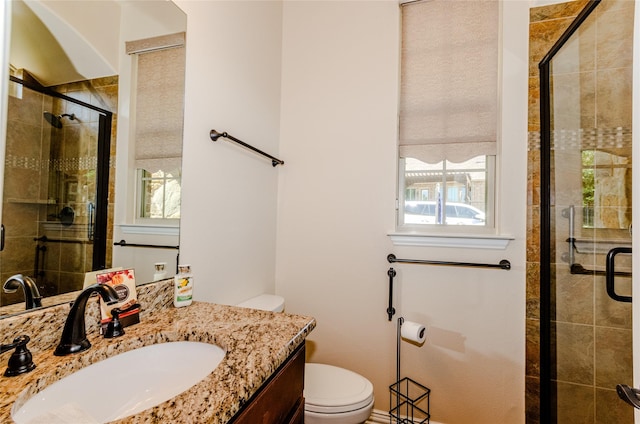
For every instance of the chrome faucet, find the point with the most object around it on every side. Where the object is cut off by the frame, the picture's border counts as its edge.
(74, 335)
(32, 298)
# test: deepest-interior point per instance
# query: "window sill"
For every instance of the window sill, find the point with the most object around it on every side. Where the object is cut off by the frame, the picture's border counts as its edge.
(475, 241)
(161, 230)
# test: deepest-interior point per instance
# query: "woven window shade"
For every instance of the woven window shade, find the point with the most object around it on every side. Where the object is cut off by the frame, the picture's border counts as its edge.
(449, 76)
(159, 102)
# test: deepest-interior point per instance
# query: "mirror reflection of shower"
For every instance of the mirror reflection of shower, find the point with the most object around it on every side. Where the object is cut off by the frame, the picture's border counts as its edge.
(56, 120)
(55, 200)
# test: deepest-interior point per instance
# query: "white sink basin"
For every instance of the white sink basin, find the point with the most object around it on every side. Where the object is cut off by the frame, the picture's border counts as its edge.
(122, 385)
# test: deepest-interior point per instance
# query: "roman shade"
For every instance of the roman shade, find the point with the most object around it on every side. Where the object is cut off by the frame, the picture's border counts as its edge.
(449, 77)
(159, 101)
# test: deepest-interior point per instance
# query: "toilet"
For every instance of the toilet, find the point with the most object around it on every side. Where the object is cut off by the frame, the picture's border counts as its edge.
(335, 395)
(332, 395)
(265, 302)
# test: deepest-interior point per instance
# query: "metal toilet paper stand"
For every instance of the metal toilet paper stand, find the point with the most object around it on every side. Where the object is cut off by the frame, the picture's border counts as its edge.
(406, 394)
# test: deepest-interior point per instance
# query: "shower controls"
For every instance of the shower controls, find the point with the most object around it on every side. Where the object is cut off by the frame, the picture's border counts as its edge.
(67, 216)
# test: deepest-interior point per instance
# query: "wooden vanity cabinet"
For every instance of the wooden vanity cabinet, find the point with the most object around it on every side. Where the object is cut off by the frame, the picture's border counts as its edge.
(280, 399)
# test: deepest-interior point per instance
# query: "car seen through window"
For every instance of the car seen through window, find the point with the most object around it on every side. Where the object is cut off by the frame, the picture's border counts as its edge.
(431, 212)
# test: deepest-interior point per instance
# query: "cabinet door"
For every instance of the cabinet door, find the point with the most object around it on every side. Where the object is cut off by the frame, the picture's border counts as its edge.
(280, 399)
(298, 414)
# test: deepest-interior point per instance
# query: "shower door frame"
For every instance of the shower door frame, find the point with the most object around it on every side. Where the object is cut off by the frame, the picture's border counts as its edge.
(546, 413)
(105, 119)
(547, 405)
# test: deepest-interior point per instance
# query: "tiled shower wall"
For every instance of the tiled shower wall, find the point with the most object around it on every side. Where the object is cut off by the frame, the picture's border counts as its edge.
(33, 152)
(594, 333)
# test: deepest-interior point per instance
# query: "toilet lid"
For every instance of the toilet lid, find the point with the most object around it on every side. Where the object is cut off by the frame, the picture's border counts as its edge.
(329, 389)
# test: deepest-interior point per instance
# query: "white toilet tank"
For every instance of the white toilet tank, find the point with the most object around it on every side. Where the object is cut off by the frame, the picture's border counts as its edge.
(265, 302)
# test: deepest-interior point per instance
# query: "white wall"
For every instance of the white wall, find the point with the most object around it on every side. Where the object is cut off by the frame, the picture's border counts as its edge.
(332, 118)
(337, 190)
(139, 20)
(336, 207)
(229, 197)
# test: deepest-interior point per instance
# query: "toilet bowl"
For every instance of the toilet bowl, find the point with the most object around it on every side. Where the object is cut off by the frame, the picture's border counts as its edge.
(332, 395)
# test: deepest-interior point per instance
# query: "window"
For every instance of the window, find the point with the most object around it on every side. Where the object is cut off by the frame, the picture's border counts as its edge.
(160, 194)
(456, 193)
(448, 114)
(159, 111)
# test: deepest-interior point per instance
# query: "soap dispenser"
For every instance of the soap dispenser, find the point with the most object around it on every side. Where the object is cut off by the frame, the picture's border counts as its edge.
(183, 286)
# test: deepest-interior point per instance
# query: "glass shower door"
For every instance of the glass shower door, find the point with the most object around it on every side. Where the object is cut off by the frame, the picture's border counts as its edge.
(589, 331)
(55, 197)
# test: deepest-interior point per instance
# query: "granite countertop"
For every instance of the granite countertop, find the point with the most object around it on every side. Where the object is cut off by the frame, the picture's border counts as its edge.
(256, 344)
(46, 301)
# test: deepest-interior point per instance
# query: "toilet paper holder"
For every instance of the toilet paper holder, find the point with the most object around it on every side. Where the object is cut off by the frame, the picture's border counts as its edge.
(408, 393)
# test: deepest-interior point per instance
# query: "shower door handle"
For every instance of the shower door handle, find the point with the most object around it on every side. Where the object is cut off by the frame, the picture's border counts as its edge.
(611, 274)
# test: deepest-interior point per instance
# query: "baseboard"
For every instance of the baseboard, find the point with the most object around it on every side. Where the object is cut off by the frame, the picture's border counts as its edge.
(382, 417)
(378, 417)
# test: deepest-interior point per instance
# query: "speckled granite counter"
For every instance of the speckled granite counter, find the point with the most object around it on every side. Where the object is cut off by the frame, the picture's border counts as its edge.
(256, 342)
(16, 308)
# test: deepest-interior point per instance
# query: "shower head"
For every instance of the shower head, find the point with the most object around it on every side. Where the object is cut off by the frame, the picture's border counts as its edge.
(56, 120)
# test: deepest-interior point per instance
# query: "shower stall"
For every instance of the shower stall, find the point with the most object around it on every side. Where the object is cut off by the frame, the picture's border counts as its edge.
(56, 186)
(585, 225)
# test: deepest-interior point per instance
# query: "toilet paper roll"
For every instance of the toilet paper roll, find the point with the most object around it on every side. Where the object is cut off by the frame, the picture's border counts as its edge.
(413, 331)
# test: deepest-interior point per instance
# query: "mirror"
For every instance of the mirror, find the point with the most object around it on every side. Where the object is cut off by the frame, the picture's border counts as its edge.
(65, 134)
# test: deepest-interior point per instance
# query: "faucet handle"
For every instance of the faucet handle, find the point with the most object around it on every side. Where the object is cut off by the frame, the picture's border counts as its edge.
(114, 327)
(21, 360)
